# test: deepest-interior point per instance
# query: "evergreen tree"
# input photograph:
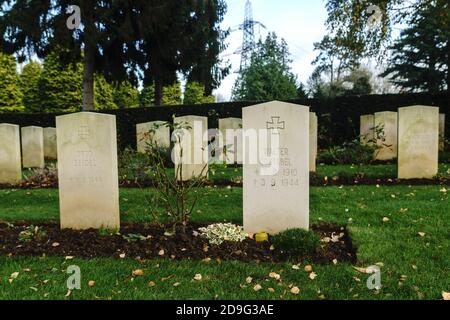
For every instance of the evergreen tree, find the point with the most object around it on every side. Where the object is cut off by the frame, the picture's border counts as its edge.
(61, 85)
(194, 93)
(29, 85)
(126, 95)
(147, 96)
(104, 94)
(10, 93)
(269, 76)
(172, 94)
(421, 56)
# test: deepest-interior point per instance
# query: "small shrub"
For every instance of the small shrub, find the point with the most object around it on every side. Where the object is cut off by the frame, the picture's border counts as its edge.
(220, 232)
(296, 242)
(32, 233)
(42, 177)
(348, 153)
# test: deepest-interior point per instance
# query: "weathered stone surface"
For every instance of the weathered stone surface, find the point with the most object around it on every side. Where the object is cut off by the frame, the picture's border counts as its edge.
(276, 167)
(418, 143)
(10, 159)
(152, 132)
(387, 148)
(366, 132)
(191, 138)
(50, 144)
(33, 147)
(313, 127)
(87, 171)
(231, 130)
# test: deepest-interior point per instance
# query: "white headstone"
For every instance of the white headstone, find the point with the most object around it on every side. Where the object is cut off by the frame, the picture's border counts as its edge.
(387, 148)
(366, 132)
(10, 160)
(441, 131)
(50, 143)
(276, 167)
(87, 171)
(33, 147)
(155, 131)
(313, 137)
(418, 142)
(231, 130)
(191, 138)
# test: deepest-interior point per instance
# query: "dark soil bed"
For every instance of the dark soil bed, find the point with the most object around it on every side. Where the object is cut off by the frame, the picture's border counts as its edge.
(92, 243)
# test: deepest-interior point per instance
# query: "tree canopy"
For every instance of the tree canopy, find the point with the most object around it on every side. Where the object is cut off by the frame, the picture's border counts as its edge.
(420, 57)
(10, 93)
(122, 40)
(269, 75)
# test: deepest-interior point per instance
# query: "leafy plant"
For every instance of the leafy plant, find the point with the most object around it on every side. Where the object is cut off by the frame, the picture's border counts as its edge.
(42, 176)
(296, 242)
(221, 232)
(133, 237)
(177, 197)
(133, 166)
(32, 233)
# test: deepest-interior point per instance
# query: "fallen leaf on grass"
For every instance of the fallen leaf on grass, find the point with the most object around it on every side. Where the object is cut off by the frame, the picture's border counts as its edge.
(335, 261)
(257, 287)
(274, 275)
(13, 276)
(308, 268)
(55, 244)
(422, 234)
(151, 284)
(446, 295)
(138, 273)
(385, 219)
(271, 290)
(295, 290)
(296, 267)
(198, 277)
(91, 283)
(176, 284)
(122, 256)
(161, 252)
(249, 280)
(312, 275)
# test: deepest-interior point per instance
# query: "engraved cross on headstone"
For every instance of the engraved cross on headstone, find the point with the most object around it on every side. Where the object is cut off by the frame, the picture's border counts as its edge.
(275, 125)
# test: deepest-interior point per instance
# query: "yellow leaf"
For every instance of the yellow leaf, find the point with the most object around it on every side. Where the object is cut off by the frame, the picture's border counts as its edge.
(312, 275)
(91, 283)
(138, 273)
(295, 290)
(257, 287)
(446, 295)
(308, 268)
(198, 277)
(274, 275)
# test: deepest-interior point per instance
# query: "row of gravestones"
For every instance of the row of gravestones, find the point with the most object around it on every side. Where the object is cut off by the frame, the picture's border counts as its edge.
(273, 200)
(25, 148)
(414, 136)
(225, 143)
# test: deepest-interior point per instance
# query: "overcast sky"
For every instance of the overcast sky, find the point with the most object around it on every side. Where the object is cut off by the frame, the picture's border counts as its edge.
(299, 22)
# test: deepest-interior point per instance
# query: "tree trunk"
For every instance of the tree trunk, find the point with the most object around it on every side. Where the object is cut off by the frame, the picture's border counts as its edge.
(89, 56)
(88, 78)
(158, 92)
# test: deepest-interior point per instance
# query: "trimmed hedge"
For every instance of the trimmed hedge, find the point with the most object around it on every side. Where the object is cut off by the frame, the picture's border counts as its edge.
(338, 118)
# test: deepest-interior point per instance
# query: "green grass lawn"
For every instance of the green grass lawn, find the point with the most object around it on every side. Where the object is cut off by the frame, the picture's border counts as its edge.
(413, 267)
(223, 173)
